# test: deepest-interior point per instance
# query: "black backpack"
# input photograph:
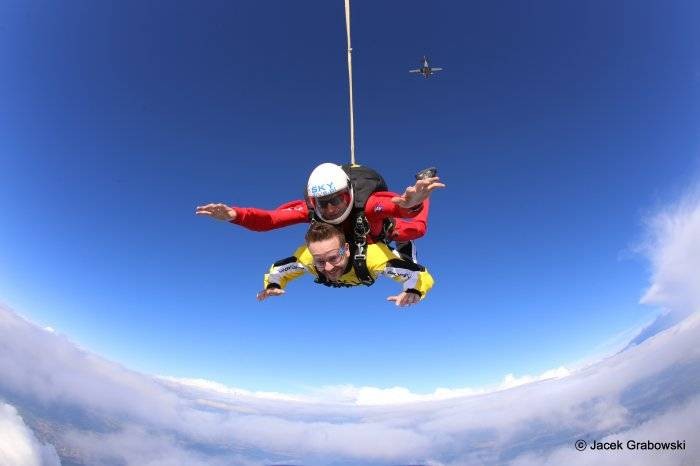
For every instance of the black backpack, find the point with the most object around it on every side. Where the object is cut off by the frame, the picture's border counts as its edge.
(365, 181)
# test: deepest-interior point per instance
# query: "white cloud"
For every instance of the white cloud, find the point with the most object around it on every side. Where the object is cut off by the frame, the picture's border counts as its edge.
(673, 247)
(133, 444)
(511, 380)
(18, 445)
(217, 387)
(679, 424)
(374, 396)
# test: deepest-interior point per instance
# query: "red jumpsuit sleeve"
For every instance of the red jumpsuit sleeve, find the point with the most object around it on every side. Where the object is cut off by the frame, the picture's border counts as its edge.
(379, 207)
(406, 229)
(287, 214)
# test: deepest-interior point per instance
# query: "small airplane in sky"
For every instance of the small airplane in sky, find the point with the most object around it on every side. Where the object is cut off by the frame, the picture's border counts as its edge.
(426, 70)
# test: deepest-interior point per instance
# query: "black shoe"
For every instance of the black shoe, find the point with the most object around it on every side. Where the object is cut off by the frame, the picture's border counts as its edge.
(429, 172)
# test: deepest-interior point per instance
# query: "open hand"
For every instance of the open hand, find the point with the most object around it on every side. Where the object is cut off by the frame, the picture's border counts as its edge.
(217, 211)
(264, 294)
(417, 193)
(404, 299)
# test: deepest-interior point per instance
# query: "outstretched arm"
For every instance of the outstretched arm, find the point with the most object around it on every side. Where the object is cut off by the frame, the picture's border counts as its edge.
(415, 279)
(414, 195)
(254, 219)
(282, 272)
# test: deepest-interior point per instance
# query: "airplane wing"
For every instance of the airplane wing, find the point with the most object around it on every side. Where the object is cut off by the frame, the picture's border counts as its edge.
(414, 71)
(436, 69)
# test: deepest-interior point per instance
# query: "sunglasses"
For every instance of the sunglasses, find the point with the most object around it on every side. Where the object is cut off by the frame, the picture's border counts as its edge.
(335, 200)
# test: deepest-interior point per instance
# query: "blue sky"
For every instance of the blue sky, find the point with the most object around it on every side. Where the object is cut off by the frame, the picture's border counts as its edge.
(558, 128)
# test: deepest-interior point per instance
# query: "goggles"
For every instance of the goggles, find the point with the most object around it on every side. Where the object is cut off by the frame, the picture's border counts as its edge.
(334, 259)
(339, 198)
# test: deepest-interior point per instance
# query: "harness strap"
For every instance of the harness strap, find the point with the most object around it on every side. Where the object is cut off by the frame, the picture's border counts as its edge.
(360, 259)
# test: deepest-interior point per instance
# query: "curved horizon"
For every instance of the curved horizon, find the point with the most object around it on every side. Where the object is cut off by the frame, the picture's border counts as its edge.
(66, 404)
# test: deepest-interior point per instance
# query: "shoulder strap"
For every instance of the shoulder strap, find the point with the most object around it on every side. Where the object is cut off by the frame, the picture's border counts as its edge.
(359, 258)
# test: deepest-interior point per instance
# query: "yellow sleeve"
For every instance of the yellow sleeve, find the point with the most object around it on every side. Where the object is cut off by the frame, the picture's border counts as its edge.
(382, 261)
(285, 270)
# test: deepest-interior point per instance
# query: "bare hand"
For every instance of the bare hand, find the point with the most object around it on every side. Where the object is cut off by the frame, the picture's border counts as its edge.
(217, 211)
(404, 299)
(417, 193)
(264, 294)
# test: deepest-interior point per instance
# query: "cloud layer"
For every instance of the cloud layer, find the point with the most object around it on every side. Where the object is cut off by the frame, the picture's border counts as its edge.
(58, 400)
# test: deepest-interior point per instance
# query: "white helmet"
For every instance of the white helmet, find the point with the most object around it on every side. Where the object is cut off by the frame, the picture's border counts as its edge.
(330, 193)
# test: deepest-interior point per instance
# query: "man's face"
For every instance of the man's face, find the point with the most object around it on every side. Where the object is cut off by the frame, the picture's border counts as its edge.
(330, 257)
(333, 206)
